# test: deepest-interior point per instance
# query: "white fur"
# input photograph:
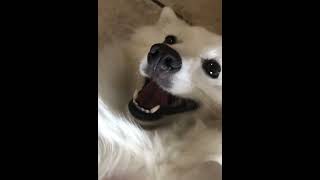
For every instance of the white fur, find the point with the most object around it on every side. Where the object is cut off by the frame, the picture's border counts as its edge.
(121, 143)
(174, 152)
(194, 45)
(126, 151)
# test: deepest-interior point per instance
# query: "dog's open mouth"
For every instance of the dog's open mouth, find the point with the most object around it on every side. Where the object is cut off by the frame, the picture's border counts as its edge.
(152, 102)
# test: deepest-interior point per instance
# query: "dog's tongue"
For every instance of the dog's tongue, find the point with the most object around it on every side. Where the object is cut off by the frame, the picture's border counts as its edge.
(152, 95)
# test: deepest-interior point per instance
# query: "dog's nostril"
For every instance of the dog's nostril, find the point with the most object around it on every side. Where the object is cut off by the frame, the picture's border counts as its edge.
(166, 64)
(174, 64)
(170, 63)
(153, 52)
(154, 49)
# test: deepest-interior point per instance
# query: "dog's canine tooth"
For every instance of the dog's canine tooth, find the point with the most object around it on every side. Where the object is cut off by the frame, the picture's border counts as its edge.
(135, 94)
(145, 110)
(154, 109)
(139, 107)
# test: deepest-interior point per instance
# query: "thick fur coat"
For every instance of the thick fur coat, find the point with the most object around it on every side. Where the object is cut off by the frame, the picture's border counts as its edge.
(188, 145)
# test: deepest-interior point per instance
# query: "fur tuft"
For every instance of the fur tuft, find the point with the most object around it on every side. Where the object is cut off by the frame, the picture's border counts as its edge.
(122, 145)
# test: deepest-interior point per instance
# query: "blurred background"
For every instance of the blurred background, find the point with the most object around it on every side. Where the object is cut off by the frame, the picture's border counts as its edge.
(117, 18)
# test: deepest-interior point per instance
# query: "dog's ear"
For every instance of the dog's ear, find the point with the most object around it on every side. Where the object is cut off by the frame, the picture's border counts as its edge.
(167, 16)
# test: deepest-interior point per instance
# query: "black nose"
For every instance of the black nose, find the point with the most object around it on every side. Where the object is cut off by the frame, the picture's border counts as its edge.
(163, 58)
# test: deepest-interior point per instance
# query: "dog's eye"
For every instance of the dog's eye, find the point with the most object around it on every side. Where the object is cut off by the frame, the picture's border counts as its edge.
(212, 68)
(170, 39)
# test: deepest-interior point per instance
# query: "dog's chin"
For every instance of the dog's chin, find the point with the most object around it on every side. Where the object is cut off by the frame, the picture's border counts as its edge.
(152, 103)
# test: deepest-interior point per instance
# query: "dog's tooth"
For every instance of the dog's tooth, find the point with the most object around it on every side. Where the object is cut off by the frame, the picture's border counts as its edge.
(135, 94)
(145, 110)
(141, 108)
(154, 109)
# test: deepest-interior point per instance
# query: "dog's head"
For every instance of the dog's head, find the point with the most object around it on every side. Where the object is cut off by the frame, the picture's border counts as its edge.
(181, 65)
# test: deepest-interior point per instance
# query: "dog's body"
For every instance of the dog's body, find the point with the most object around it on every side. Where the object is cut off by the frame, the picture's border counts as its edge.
(190, 138)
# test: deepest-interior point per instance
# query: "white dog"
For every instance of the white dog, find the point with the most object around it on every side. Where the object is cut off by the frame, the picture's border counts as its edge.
(178, 71)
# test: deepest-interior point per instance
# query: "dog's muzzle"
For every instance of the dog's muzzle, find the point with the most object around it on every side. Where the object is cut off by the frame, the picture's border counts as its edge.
(153, 101)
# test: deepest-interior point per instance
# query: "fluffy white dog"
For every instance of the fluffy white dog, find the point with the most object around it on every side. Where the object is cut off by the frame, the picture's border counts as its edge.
(168, 79)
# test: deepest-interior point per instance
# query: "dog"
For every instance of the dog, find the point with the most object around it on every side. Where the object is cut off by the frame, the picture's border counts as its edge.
(159, 105)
